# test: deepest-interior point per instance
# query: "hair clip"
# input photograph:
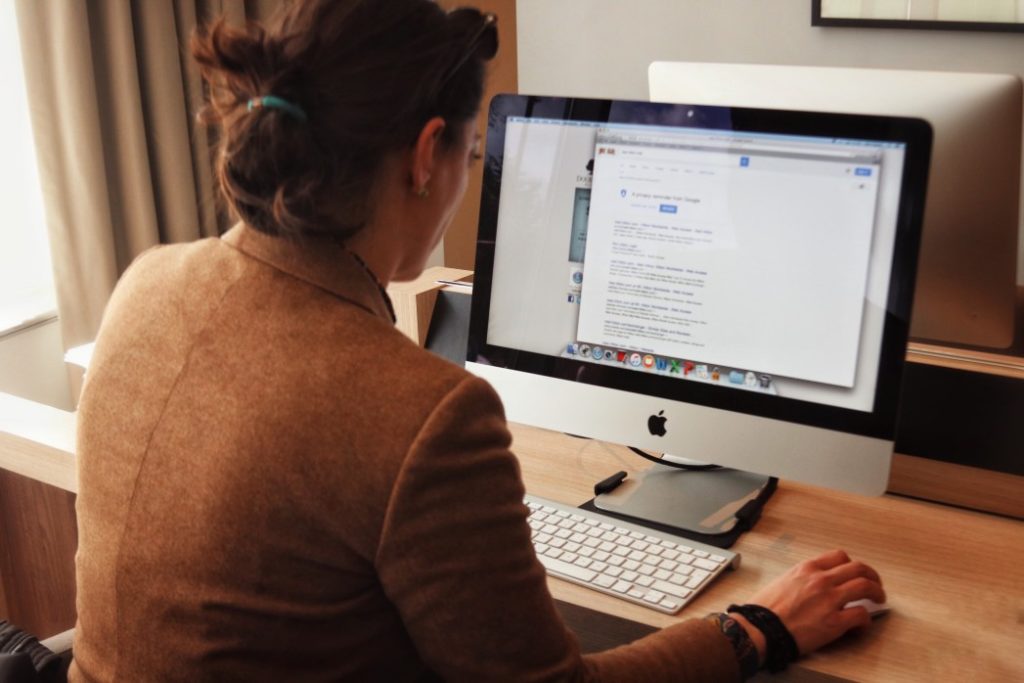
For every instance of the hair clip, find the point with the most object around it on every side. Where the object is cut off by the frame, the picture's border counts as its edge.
(274, 102)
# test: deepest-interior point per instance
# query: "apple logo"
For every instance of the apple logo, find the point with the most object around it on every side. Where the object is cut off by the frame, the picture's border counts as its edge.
(656, 424)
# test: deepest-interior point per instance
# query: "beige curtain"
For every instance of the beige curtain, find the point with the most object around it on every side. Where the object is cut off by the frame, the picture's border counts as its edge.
(123, 165)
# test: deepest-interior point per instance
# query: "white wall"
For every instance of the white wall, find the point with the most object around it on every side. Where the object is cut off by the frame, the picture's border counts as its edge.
(32, 366)
(601, 48)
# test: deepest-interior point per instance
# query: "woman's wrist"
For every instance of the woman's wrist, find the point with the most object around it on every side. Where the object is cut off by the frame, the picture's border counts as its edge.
(755, 635)
(748, 656)
(780, 648)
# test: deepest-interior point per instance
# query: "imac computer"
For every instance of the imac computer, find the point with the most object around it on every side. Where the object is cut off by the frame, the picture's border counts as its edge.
(967, 277)
(727, 285)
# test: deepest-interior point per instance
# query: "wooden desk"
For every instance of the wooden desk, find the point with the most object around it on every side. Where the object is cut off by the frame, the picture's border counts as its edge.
(37, 516)
(955, 578)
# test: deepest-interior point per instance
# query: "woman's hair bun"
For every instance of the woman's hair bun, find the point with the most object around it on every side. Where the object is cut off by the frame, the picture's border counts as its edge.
(366, 75)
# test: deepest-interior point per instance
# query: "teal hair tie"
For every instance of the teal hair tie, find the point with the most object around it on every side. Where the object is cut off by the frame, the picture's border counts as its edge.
(274, 102)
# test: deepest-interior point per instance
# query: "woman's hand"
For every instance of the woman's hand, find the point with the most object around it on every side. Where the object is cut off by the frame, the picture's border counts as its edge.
(810, 599)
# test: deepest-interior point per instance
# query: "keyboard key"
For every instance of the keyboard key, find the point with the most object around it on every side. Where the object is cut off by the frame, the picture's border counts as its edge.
(600, 555)
(604, 581)
(559, 567)
(654, 596)
(586, 552)
(705, 564)
(662, 574)
(613, 571)
(637, 593)
(599, 566)
(583, 562)
(644, 581)
(672, 589)
(631, 565)
(700, 553)
(646, 569)
(622, 587)
(629, 576)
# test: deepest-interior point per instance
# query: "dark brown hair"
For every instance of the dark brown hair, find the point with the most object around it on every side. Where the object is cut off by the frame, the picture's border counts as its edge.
(367, 75)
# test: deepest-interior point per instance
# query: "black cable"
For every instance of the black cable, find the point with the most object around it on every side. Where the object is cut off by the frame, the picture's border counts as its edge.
(660, 461)
(677, 465)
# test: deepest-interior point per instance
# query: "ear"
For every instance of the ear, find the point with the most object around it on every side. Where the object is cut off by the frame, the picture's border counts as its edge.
(425, 152)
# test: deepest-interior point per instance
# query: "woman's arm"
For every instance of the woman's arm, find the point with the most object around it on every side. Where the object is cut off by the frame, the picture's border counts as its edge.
(455, 558)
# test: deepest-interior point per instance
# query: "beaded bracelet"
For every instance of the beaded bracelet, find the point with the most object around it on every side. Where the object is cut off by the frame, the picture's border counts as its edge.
(742, 645)
(781, 648)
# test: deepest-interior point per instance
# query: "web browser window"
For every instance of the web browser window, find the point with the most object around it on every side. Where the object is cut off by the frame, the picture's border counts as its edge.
(742, 260)
(726, 253)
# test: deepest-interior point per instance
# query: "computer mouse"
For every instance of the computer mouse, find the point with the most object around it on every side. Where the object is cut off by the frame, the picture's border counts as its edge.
(875, 609)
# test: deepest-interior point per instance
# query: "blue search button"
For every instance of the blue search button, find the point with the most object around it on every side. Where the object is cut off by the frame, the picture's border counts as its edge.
(863, 171)
(668, 208)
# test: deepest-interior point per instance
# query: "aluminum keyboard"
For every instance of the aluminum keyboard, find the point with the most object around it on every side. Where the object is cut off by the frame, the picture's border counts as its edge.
(651, 568)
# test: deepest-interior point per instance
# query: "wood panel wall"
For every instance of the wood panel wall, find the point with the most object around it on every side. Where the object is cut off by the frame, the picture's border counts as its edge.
(460, 240)
(38, 539)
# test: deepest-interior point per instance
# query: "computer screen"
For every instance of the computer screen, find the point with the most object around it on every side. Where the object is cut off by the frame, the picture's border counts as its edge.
(967, 277)
(728, 285)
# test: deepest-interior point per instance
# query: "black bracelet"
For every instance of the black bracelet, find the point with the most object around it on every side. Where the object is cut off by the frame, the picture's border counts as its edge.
(781, 648)
(742, 645)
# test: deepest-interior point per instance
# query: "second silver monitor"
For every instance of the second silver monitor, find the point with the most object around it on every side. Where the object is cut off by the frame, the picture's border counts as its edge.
(966, 283)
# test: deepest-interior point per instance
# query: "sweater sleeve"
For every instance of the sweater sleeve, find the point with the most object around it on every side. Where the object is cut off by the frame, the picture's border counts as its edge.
(456, 560)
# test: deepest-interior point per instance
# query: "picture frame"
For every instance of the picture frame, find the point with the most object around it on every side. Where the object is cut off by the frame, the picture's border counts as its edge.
(823, 17)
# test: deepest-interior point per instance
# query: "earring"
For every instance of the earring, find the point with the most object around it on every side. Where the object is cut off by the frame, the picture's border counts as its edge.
(423, 192)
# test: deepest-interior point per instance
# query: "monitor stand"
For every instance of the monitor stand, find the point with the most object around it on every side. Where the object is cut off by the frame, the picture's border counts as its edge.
(705, 502)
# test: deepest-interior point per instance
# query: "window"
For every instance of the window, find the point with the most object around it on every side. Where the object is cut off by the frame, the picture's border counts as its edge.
(26, 275)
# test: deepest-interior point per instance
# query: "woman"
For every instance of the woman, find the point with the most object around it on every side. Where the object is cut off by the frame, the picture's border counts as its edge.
(274, 483)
